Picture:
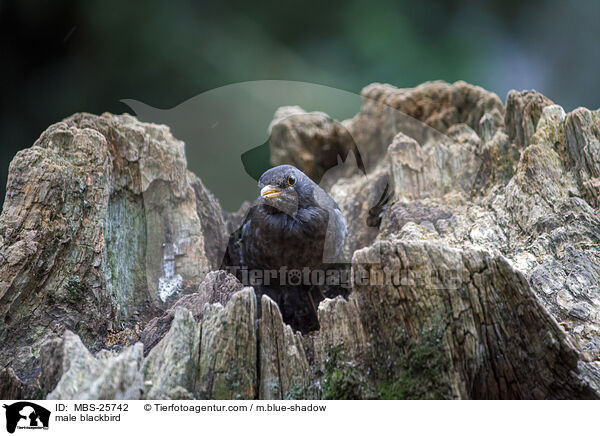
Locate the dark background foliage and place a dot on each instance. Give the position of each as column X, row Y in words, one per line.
column 63, row 56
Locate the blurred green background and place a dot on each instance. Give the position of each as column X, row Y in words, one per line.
column 62, row 56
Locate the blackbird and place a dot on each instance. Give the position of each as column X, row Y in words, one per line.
column 288, row 243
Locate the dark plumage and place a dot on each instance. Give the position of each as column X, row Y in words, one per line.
column 295, row 225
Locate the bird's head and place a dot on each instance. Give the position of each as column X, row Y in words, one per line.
column 285, row 189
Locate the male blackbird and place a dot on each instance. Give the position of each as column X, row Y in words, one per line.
column 293, row 232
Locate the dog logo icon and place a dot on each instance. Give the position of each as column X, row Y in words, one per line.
column 26, row 415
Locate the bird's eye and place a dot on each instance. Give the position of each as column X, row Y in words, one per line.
column 291, row 180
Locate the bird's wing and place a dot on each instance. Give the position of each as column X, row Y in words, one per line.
column 335, row 237
column 336, row 226
column 234, row 255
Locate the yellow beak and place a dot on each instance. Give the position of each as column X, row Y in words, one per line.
column 270, row 191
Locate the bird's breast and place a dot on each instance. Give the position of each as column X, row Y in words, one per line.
column 277, row 240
